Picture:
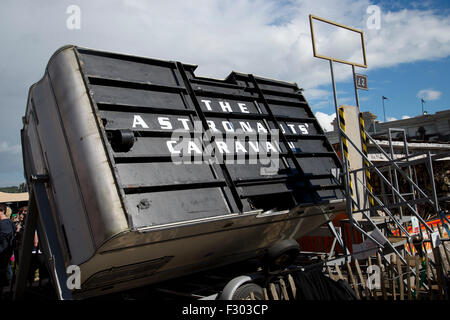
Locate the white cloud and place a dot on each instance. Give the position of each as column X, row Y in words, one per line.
column 429, row 94
column 313, row 93
column 408, row 36
column 268, row 38
column 325, row 120
column 391, row 119
column 405, row 117
column 6, row 148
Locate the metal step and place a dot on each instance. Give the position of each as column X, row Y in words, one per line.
column 383, row 220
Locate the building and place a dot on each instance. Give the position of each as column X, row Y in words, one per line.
column 428, row 133
column 427, row 127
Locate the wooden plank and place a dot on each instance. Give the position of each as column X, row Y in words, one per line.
column 293, row 287
column 439, row 271
column 331, row 274
column 382, row 277
column 362, row 280
column 446, row 266
column 352, row 278
column 430, row 288
column 393, row 277
column 338, row 270
column 266, row 296
column 284, row 290
column 417, row 286
column 273, row 291
column 408, row 278
column 400, row 278
column 411, row 264
column 252, row 296
column 372, row 291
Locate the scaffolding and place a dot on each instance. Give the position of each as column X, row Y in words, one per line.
column 381, row 219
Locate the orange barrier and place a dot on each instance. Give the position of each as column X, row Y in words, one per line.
column 434, row 225
column 323, row 243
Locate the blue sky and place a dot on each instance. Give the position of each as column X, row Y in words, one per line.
column 408, row 54
column 401, row 85
column 403, row 77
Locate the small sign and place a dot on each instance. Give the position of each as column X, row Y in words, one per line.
column 414, row 225
column 361, row 81
column 435, row 240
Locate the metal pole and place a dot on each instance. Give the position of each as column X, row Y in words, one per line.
column 394, row 198
column 433, row 186
column 387, row 182
column 343, row 158
column 356, row 89
column 400, row 171
column 384, row 112
column 364, row 196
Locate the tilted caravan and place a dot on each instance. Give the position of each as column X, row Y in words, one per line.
column 139, row 191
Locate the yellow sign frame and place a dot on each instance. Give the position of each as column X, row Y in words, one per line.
column 312, row 17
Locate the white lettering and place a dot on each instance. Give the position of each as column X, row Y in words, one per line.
column 185, row 122
column 260, row 127
column 374, row 20
column 303, row 129
column 193, row 147
column 291, row 145
column 74, row 20
column 225, row 106
column 207, row 104
column 137, row 120
column 222, row 147
column 255, row 146
column 164, row 122
column 246, row 126
column 212, row 125
column 170, row 144
column 194, row 310
column 373, row 280
column 240, row 147
column 292, row 128
column 228, row 126
column 270, row 146
column 74, row 280
column 243, row 108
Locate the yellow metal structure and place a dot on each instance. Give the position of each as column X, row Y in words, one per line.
column 312, row 17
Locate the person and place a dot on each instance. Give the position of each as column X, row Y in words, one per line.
column 19, row 227
column 7, row 231
column 8, row 212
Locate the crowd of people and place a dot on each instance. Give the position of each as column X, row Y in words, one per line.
column 12, row 227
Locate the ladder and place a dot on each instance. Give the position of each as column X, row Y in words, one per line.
column 389, row 219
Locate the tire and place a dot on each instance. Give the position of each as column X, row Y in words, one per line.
column 243, row 292
column 282, row 254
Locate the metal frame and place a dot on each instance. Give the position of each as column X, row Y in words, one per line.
column 40, row 218
column 312, row 17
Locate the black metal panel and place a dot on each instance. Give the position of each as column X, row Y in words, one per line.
column 163, row 207
column 148, row 99
column 163, row 173
column 127, row 69
column 138, row 97
column 293, row 111
column 146, row 121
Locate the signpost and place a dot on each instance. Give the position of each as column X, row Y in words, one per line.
column 361, row 81
column 316, row 54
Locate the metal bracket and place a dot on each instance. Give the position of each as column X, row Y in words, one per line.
column 40, row 218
